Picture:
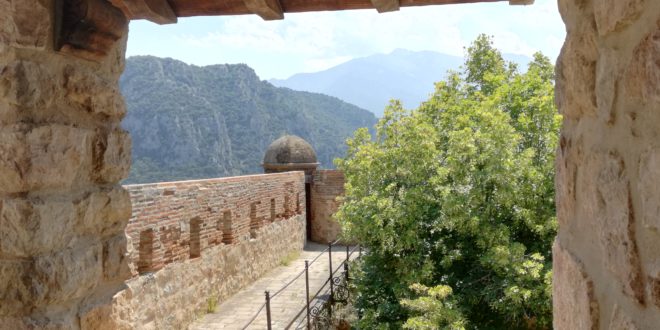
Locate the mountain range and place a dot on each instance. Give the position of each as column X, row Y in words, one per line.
column 371, row 82
column 191, row 122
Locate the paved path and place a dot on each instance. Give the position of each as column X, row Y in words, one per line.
column 238, row 310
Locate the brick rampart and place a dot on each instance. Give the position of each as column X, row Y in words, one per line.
column 176, row 221
column 194, row 242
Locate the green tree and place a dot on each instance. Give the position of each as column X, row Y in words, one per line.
column 432, row 309
column 459, row 194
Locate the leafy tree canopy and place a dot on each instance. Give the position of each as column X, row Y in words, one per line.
column 458, row 196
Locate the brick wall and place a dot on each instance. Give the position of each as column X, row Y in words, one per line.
column 176, row 221
column 193, row 241
column 327, row 186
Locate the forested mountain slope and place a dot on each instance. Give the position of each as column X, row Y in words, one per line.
column 190, row 122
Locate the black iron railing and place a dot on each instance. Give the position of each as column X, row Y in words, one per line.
column 318, row 309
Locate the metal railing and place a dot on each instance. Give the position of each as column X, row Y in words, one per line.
column 317, row 312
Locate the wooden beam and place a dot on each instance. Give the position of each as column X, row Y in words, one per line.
column 384, row 6
column 521, row 2
column 157, row 11
column 187, row 8
column 88, row 28
column 267, row 9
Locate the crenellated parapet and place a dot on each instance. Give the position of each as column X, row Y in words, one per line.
column 178, row 221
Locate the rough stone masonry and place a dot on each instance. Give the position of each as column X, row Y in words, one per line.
column 62, row 154
column 607, row 254
column 64, row 262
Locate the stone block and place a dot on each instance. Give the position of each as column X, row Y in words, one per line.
column 642, row 79
column 115, row 259
column 112, row 156
column 620, row 321
column 63, row 319
column 93, row 93
column 102, row 316
column 608, row 72
column 654, row 290
column 18, row 26
column 615, row 15
column 617, row 227
column 573, row 299
column 66, row 275
column 60, row 156
column 13, row 322
column 575, row 92
column 51, row 89
column 15, row 287
column 14, row 161
column 574, row 12
column 44, row 157
column 29, row 227
column 564, row 183
column 104, row 212
column 10, row 113
column 35, row 226
column 649, row 176
column 28, row 84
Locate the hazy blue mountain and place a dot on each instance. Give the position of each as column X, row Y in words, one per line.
column 370, row 82
column 190, row 122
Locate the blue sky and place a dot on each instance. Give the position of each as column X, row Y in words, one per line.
column 309, row 42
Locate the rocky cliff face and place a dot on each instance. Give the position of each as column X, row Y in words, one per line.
column 190, row 122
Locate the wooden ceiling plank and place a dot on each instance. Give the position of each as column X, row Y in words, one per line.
column 276, row 9
column 521, row 2
column 384, row 6
column 267, row 9
column 157, row 11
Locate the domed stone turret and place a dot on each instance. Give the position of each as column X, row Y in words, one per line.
column 290, row 153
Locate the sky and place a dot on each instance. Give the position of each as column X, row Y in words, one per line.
column 310, row 42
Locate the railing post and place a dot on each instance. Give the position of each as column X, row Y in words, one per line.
column 348, row 257
column 268, row 310
column 332, row 285
column 307, row 293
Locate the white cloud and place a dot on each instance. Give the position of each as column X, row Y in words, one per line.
column 314, row 41
column 303, row 35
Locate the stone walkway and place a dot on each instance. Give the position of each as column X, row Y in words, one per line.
column 238, row 310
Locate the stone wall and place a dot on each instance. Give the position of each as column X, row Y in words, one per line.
column 192, row 241
column 607, row 253
column 62, row 154
column 327, row 186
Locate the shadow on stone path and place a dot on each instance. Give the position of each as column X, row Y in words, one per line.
column 238, row 310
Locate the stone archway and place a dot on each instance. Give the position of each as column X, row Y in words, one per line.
column 62, row 154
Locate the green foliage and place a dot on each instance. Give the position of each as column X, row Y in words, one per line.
column 211, row 304
column 432, row 309
column 459, row 194
column 190, row 122
column 289, row 258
